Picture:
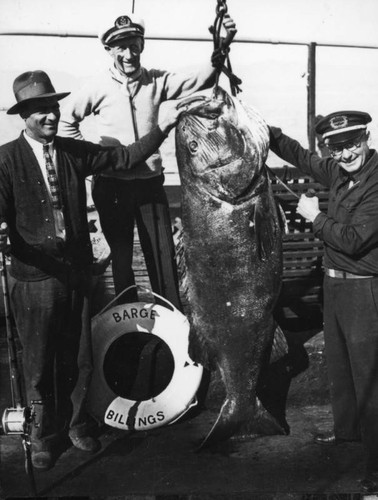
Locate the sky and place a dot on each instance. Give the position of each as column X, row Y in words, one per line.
column 274, row 75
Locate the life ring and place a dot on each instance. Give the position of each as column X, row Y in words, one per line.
column 113, row 339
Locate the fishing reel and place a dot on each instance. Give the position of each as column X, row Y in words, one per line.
column 17, row 420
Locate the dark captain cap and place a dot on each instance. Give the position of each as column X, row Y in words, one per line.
column 342, row 126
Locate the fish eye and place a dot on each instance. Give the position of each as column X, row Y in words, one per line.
column 193, row 146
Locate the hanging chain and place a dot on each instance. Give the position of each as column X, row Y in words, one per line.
column 222, row 45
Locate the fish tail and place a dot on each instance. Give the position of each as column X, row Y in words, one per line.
column 241, row 423
column 229, row 421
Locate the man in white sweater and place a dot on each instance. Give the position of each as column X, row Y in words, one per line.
column 125, row 101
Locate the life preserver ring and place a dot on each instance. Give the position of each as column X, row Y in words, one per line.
column 119, row 324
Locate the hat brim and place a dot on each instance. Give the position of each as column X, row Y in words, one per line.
column 121, row 34
column 15, row 110
column 344, row 137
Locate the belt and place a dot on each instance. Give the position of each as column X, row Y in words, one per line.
column 334, row 273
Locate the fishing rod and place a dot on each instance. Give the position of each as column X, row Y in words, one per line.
column 17, row 419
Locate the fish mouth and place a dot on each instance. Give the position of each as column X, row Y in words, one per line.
column 202, row 106
column 232, row 165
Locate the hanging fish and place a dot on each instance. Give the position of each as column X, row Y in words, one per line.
column 232, row 246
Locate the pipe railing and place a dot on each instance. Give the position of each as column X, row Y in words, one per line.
column 186, row 38
column 311, row 61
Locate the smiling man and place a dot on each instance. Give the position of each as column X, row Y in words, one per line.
column 124, row 101
column 43, row 210
column 349, row 231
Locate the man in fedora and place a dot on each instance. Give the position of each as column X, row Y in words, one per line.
column 43, row 212
column 349, row 231
column 125, row 101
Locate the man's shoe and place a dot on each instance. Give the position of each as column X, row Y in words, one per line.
column 370, row 483
column 86, row 443
column 42, row 460
column 327, row 438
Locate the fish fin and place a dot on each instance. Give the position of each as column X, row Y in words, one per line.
column 198, row 349
column 263, row 225
column 262, row 423
column 282, row 218
column 226, row 425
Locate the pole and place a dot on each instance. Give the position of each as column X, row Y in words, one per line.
column 12, row 351
column 311, row 84
column 15, row 377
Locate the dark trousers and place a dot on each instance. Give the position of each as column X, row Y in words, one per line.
column 120, row 205
column 351, row 340
column 53, row 323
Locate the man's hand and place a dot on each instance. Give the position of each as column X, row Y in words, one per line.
column 308, row 207
column 229, row 24
column 228, row 32
column 171, row 117
column 3, row 236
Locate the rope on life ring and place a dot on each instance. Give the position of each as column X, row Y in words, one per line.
column 168, row 327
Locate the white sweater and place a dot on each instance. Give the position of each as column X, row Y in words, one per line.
column 107, row 97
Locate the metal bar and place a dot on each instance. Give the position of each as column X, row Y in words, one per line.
column 15, row 376
column 280, row 181
column 83, row 34
column 311, row 95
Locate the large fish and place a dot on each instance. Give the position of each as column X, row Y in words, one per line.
column 232, row 241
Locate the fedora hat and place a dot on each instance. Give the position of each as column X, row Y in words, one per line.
column 30, row 86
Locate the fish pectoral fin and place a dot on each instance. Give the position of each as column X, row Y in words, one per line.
column 282, row 218
column 263, row 226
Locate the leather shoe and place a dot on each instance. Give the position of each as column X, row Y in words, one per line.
column 327, row 438
column 86, row 443
column 42, row 460
column 370, row 483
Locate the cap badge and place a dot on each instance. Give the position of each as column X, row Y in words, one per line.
column 340, row 121
column 122, row 21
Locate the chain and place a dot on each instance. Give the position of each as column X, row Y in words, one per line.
column 222, row 6
column 222, row 44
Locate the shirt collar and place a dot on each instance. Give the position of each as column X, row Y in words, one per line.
column 123, row 78
column 36, row 145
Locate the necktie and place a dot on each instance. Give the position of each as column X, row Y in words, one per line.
column 52, row 178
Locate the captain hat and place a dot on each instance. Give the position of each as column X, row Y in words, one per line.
column 119, row 27
column 342, row 126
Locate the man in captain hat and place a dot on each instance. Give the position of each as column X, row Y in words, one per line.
column 349, row 231
column 43, row 211
column 125, row 101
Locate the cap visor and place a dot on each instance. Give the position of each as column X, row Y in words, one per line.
column 343, row 138
column 121, row 36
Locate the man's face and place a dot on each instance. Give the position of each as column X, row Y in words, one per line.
column 126, row 54
column 41, row 119
column 353, row 155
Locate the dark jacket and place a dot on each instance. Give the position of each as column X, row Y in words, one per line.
column 350, row 227
column 25, row 205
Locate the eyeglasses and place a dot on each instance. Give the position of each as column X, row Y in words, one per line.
column 337, row 151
